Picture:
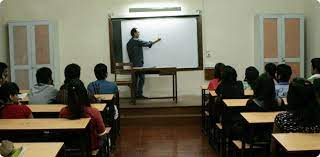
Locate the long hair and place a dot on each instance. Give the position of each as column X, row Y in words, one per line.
column 252, row 74
column 77, row 98
column 302, row 101
column 265, row 90
column 271, row 70
column 218, row 69
column 6, row 90
column 229, row 75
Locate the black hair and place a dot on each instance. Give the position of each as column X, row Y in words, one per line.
column 3, row 67
column 271, row 70
column 101, row 71
column 315, row 62
column 72, row 71
column 265, row 90
column 77, row 98
column 316, row 85
column 251, row 76
column 218, row 69
column 302, row 101
column 133, row 31
column 44, row 75
column 284, row 73
column 6, row 90
column 229, row 75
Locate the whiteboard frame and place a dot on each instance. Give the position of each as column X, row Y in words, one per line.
column 199, row 34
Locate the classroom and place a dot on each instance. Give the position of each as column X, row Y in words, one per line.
column 159, row 78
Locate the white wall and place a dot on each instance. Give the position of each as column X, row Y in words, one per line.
column 228, row 27
column 3, row 41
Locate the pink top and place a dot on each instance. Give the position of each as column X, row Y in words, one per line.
column 213, row 84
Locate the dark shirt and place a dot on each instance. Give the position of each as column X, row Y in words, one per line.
column 230, row 90
column 135, row 51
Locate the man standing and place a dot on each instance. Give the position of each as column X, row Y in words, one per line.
column 135, row 53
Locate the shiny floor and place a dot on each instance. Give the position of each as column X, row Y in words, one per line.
column 163, row 141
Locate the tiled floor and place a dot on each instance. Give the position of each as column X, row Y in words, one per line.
column 163, row 141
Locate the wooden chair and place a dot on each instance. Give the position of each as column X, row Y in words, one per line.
column 125, row 69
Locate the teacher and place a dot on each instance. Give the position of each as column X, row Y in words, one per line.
column 135, row 53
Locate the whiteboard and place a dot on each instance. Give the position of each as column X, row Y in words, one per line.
column 178, row 47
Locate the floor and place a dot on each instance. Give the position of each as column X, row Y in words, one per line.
column 163, row 141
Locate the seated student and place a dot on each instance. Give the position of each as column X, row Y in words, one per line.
column 9, row 103
column 229, row 87
column 283, row 76
column 316, row 84
column 3, row 73
column 43, row 92
column 264, row 96
column 78, row 106
column 303, row 113
column 218, row 69
column 72, row 71
column 250, row 79
column 271, row 69
column 315, row 62
column 102, row 86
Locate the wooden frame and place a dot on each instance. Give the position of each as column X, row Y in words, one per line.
column 199, row 34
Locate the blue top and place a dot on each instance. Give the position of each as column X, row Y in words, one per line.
column 102, row 87
column 282, row 89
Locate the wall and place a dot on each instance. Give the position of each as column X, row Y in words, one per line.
column 83, row 32
column 313, row 31
column 3, row 41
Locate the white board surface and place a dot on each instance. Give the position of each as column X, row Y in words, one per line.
column 178, row 47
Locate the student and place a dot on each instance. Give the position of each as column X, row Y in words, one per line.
column 71, row 72
column 251, row 77
column 316, row 84
column 271, row 70
column 315, row 62
column 9, row 102
column 303, row 113
column 264, row 96
column 43, row 92
column 3, row 73
column 102, row 86
column 283, row 76
column 218, row 69
column 78, row 106
column 229, row 87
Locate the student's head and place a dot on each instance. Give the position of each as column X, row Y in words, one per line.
column 229, row 75
column 77, row 98
column 3, row 73
column 72, row 71
column 265, row 89
column 9, row 93
column 101, row 71
column 302, row 100
column 315, row 62
column 252, row 75
column 284, row 73
column 218, row 69
column 135, row 33
column 271, row 69
column 44, row 76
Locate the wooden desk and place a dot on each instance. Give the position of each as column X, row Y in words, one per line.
column 25, row 91
column 160, row 71
column 56, row 108
column 235, row 102
column 301, row 143
column 259, row 117
column 204, row 88
column 246, row 93
column 47, row 130
column 104, row 97
column 40, row 149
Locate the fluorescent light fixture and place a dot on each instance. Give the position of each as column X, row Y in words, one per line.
column 1, row 1
column 154, row 9
column 318, row 1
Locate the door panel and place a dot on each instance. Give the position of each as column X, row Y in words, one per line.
column 270, row 29
column 22, row 78
column 42, row 45
column 296, row 71
column 292, row 38
column 20, row 42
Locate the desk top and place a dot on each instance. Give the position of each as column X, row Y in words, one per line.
column 40, row 149
column 259, row 117
column 246, row 93
column 25, row 91
column 105, row 97
column 298, row 142
column 43, row 124
column 235, row 102
column 205, row 87
column 57, row 107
